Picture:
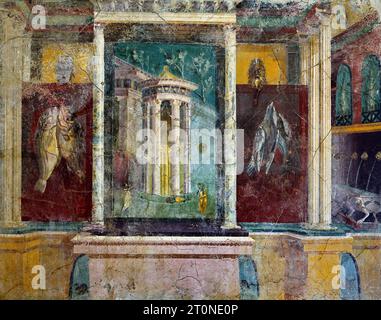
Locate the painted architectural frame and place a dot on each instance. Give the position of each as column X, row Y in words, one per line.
column 190, row 149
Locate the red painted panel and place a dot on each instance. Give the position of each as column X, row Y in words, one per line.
column 281, row 195
column 67, row 197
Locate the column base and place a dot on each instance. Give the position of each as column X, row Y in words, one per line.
column 94, row 227
column 230, row 226
column 318, row 227
column 11, row 224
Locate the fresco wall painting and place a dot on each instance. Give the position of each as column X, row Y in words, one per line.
column 190, row 149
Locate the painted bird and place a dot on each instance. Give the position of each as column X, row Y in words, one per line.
column 273, row 134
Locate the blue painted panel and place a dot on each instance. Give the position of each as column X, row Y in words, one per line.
column 350, row 289
column 248, row 278
column 79, row 280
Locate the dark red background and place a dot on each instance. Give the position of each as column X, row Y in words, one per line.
column 65, row 198
column 279, row 196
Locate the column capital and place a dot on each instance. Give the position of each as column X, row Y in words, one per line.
column 176, row 103
column 317, row 17
column 229, row 33
column 324, row 17
column 303, row 37
column 99, row 27
column 151, row 102
column 229, row 28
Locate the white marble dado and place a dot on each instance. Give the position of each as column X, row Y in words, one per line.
column 163, row 267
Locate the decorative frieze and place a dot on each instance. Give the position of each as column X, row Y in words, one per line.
column 207, row 6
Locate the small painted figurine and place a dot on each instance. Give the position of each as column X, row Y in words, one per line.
column 127, row 198
column 202, row 198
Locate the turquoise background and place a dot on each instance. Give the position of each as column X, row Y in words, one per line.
column 152, row 59
column 155, row 59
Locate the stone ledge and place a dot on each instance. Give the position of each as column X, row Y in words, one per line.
column 165, row 17
column 161, row 246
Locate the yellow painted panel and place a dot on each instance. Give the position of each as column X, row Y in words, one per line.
column 80, row 53
column 320, row 277
column 274, row 57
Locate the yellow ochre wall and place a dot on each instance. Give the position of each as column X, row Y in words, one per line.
column 274, row 57
column 20, row 253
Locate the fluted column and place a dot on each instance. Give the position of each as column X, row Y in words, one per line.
column 325, row 123
column 313, row 132
column 175, row 148
column 319, row 123
column 230, row 154
column 156, row 144
column 27, row 52
column 98, row 126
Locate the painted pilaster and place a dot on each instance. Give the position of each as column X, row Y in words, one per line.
column 230, row 154
column 12, row 32
column 304, row 61
column 98, row 126
column 175, row 148
column 325, row 123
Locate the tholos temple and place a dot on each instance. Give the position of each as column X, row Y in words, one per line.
column 190, row 149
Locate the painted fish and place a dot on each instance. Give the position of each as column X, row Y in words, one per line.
column 58, row 136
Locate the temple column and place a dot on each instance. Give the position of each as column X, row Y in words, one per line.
column 148, row 127
column 325, row 123
column 230, row 154
column 156, row 144
column 187, row 149
column 313, row 132
column 11, row 58
column 175, row 148
column 98, row 126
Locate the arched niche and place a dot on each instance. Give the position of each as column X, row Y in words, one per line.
column 343, row 101
column 371, row 89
